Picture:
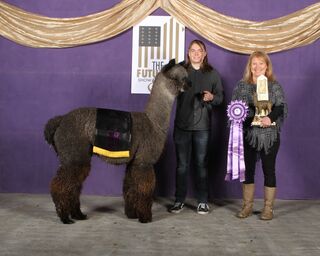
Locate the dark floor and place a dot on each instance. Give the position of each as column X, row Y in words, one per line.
column 29, row 226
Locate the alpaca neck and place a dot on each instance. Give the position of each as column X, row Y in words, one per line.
column 159, row 106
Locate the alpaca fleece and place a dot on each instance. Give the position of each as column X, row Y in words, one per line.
column 72, row 137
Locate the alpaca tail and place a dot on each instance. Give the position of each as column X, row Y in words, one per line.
column 51, row 128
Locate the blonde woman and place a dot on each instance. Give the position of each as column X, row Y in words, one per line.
column 260, row 141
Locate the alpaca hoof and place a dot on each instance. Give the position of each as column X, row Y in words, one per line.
column 145, row 220
column 67, row 221
column 130, row 213
column 79, row 216
column 132, row 216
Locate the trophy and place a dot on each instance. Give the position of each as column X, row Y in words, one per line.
column 261, row 101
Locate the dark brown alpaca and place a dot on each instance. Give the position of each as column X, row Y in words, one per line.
column 72, row 136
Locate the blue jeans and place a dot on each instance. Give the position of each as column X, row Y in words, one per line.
column 191, row 144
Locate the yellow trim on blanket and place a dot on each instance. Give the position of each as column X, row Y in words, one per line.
column 108, row 153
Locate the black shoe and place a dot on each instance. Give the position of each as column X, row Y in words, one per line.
column 203, row 208
column 177, row 207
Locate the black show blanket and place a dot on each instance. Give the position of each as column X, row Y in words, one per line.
column 113, row 133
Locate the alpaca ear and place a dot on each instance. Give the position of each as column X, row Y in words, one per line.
column 168, row 66
column 182, row 63
column 172, row 62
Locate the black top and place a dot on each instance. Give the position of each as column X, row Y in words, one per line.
column 191, row 112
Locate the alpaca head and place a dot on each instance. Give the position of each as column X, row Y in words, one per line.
column 177, row 76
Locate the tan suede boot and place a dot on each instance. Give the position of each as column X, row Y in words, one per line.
column 269, row 196
column 248, row 194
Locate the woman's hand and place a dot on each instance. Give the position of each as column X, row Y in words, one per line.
column 265, row 121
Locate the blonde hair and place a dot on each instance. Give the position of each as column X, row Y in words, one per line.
column 247, row 75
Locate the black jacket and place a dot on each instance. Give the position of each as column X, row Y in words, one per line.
column 191, row 112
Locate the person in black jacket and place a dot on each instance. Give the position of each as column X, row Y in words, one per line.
column 192, row 125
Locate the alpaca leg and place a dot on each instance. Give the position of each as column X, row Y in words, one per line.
column 65, row 192
column 60, row 193
column 138, row 191
column 75, row 206
column 76, row 213
column 129, row 196
column 129, row 209
column 145, row 182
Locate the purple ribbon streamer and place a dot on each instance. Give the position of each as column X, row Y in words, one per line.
column 237, row 112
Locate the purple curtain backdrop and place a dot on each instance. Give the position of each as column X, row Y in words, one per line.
column 37, row 84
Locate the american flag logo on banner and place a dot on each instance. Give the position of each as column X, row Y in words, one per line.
column 156, row 40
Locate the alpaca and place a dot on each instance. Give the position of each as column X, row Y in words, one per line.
column 72, row 136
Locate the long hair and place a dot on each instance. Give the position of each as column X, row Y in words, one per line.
column 205, row 66
column 247, row 75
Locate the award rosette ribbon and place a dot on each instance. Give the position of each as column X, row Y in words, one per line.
column 237, row 112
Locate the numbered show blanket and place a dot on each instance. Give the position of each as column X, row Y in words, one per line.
column 113, row 133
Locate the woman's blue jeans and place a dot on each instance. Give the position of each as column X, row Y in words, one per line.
column 191, row 144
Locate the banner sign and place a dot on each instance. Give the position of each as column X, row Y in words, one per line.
column 155, row 41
